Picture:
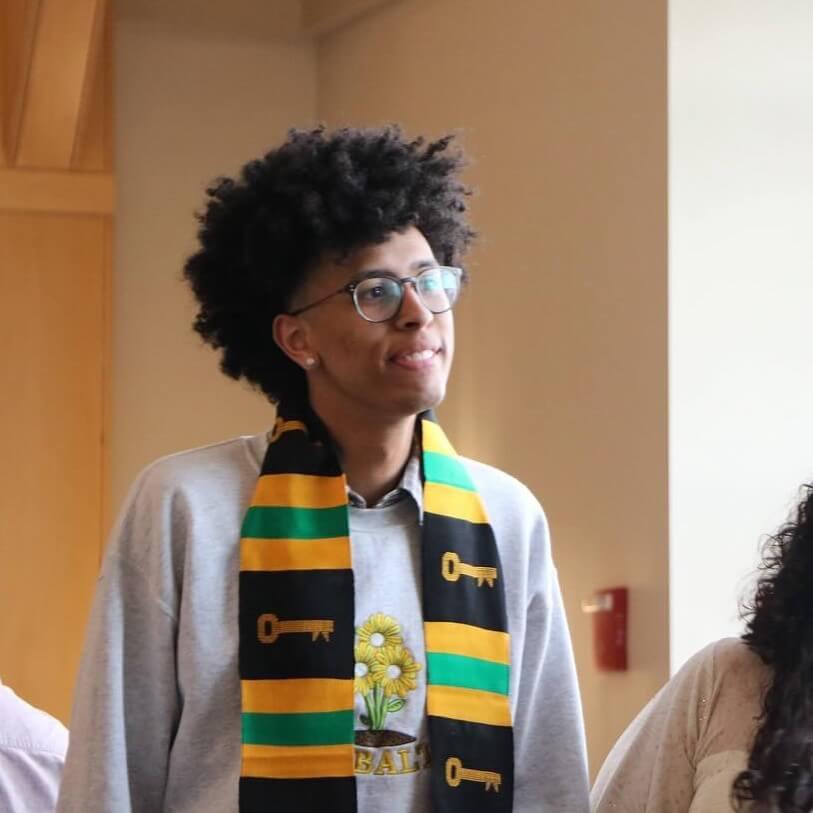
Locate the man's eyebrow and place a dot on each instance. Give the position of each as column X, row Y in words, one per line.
column 388, row 272
column 424, row 264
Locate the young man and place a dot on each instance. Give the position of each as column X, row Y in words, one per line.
column 341, row 614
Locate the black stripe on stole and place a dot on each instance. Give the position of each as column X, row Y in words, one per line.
column 332, row 795
column 302, row 596
column 462, row 601
column 479, row 748
column 288, row 457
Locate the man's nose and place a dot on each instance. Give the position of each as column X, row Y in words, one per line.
column 413, row 312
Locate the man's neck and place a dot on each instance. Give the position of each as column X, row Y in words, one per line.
column 373, row 453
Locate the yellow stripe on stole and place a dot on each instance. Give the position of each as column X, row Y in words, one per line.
column 296, row 762
column 299, row 491
column 295, row 554
column 297, row 695
column 464, row 639
column 470, row 705
column 434, row 440
column 449, row 501
column 281, row 427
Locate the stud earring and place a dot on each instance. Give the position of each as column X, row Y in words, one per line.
column 310, row 362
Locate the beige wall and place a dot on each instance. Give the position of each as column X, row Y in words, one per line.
column 561, row 375
column 194, row 99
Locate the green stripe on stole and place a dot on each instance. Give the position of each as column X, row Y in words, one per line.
column 440, row 468
column 315, row 728
column 276, row 522
column 467, row 673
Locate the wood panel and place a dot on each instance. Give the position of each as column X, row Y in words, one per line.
column 19, row 23
column 59, row 81
column 4, row 68
column 93, row 150
column 69, row 192
column 53, row 284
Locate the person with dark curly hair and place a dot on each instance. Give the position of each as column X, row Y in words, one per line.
column 342, row 613
column 733, row 729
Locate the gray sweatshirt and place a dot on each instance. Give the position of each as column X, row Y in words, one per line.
column 156, row 719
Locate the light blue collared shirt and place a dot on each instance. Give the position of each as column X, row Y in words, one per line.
column 32, row 752
column 409, row 486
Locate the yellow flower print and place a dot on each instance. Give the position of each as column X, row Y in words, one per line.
column 365, row 658
column 379, row 631
column 394, row 670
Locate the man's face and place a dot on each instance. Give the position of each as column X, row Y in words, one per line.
column 392, row 369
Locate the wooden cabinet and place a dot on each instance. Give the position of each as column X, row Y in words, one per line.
column 53, row 281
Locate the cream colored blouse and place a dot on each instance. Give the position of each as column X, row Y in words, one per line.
column 684, row 750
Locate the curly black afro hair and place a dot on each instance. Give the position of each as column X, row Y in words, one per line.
column 319, row 194
column 779, row 776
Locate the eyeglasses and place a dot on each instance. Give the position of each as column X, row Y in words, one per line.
column 378, row 297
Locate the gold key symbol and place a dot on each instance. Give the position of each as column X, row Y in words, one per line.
column 269, row 628
column 456, row 773
column 452, row 569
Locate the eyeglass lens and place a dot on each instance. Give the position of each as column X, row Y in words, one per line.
column 379, row 298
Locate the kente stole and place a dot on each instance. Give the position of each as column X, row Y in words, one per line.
column 297, row 630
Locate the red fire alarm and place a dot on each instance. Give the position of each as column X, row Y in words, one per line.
column 609, row 610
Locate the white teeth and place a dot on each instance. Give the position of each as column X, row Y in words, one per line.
column 421, row 355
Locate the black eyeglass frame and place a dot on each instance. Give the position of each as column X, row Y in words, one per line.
column 351, row 288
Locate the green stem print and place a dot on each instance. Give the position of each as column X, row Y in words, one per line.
column 379, row 706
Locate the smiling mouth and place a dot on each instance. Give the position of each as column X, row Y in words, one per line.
column 415, row 360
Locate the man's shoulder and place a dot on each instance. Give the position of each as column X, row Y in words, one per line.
column 159, row 523
column 511, row 506
column 24, row 727
column 493, row 482
column 214, row 464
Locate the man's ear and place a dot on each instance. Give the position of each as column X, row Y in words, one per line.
column 293, row 337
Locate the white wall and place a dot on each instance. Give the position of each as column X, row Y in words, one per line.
column 741, row 295
column 197, row 95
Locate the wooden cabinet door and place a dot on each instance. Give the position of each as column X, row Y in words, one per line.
column 53, row 405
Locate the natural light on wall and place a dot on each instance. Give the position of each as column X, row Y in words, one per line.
column 741, row 296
